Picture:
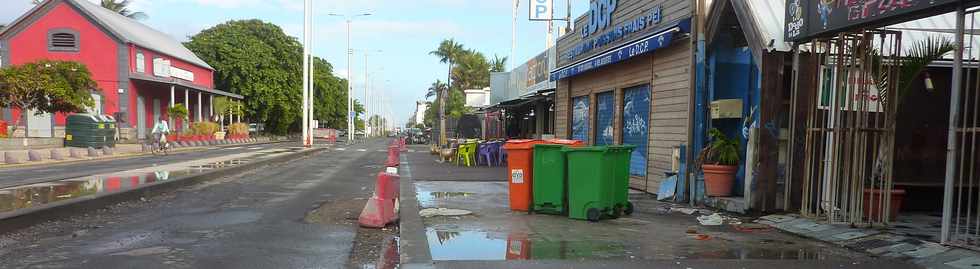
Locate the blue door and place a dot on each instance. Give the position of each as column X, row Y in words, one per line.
column 580, row 118
column 636, row 122
column 604, row 118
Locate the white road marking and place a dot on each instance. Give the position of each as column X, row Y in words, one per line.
column 255, row 148
column 361, row 150
column 234, row 148
column 341, row 149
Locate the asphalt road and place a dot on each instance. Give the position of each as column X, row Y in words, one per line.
column 300, row 214
column 42, row 173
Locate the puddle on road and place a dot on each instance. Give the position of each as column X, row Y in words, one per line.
column 23, row 197
column 452, row 245
column 428, row 198
column 477, row 245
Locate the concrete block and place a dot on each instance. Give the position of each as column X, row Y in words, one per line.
column 92, row 152
column 57, row 155
column 33, row 156
column 77, row 153
column 107, row 151
column 10, row 158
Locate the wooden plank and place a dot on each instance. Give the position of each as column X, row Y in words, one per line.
column 771, row 107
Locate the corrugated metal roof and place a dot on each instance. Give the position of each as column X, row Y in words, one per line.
column 941, row 25
column 139, row 34
column 770, row 20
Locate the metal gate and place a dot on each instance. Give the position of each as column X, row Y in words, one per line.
column 847, row 174
column 636, row 119
column 580, row 118
column 605, row 103
column 961, row 216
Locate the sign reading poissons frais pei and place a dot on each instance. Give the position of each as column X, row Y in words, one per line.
column 600, row 18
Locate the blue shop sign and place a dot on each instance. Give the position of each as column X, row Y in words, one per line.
column 644, row 45
column 600, row 19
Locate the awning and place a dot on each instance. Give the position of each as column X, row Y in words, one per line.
column 181, row 83
column 648, row 44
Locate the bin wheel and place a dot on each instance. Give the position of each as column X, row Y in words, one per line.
column 593, row 214
column 530, row 210
column 618, row 211
column 629, row 208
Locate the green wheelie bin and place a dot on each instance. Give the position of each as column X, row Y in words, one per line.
column 598, row 182
column 590, row 175
column 550, row 188
column 83, row 131
column 619, row 159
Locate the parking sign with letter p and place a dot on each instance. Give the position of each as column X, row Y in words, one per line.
column 540, row 10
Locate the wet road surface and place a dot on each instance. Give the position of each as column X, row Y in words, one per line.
column 35, row 174
column 300, row 214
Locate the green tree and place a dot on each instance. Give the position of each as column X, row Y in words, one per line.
column 329, row 96
column 260, row 62
column 47, row 87
column 118, row 6
column 472, row 71
column 498, row 64
column 447, row 52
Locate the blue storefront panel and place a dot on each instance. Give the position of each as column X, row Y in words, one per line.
column 580, row 118
column 636, row 122
column 605, row 103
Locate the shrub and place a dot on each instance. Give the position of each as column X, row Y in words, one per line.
column 238, row 129
column 204, row 128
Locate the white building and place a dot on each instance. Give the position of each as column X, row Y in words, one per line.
column 478, row 98
column 420, row 108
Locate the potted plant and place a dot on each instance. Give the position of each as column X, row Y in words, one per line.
column 719, row 162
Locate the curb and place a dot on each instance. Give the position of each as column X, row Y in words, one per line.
column 59, row 210
column 413, row 247
column 127, row 155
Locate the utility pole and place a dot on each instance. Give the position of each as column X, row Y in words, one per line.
column 350, row 80
column 306, row 69
column 513, row 36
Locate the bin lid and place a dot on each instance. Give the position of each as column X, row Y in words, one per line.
column 626, row 147
column 564, row 142
column 521, row 143
column 586, row 149
column 87, row 118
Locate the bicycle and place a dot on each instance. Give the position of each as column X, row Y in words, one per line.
column 161, row 146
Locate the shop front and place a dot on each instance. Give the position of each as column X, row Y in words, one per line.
column 523, row 99
column 625, row 77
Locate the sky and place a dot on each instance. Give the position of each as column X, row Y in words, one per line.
column 403, row 31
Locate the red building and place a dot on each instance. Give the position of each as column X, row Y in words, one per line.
column 140, row 71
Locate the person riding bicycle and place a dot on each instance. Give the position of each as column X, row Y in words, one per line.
column 160, row 131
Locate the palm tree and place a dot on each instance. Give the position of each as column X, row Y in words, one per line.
column 436, row 89
column 448, row 52
column 498, row 64
column 118, row 6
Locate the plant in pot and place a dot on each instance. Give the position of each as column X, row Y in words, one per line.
column 719, row 162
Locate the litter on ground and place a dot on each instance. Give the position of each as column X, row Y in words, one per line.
column 431, row 212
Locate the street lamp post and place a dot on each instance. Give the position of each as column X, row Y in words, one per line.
column 350, row 86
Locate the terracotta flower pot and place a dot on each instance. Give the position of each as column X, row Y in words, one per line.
column 718, row 179
column 872, row 203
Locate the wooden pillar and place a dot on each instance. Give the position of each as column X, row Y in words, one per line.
column 771, row 106
column 199, row 106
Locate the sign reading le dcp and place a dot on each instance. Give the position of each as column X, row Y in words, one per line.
column 600, row 16
column 540, row 10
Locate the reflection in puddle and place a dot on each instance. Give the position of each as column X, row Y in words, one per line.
column 476, row 245
column 428, row 198
column 456, row 245
column 34, row 195
column 759, row 254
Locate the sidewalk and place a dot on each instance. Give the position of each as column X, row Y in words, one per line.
column 21, row 158
column 493, row 236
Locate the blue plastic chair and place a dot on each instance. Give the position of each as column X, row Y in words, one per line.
column 486, row 154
